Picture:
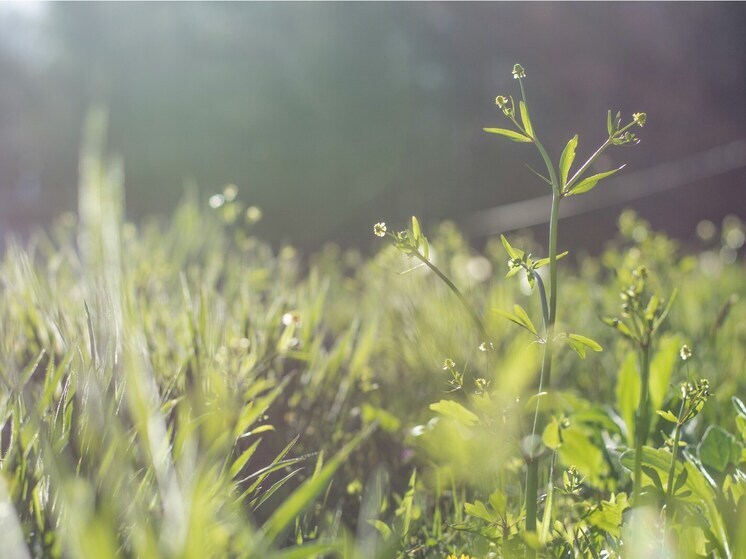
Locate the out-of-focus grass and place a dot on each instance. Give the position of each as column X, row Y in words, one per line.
column 181, row 390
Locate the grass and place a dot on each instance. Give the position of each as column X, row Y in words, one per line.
column 179, row 389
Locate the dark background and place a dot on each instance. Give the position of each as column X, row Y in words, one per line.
column 331, row 117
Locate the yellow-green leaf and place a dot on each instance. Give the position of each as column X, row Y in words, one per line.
column 456, row 411
column 668, row 416
column 591, row 344
column 515, row 136
column 568, row 156
column 523, row 317
column 525, row 119
column 587, row 184
column 415, row 229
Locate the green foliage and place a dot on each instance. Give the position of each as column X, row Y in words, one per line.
column 180, row 389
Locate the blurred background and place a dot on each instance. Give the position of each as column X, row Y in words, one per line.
column 331, row 117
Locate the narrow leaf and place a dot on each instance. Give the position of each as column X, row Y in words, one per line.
column 595, row 346
column 302, row 497
column 515, row 136
column 525, row 119
column 668, row 416
column 240, row 462
column 568, row 156
column 544, row 261
column 524, row 318
column 513, row 318
column 512, row 252
column 538, row 174
column 587, row 184
column 416, row 232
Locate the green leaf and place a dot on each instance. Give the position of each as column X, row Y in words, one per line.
column 609, row 126
column 544, row 261
column 552, row 435
column 577, row 347
column 456, row 411
column 628, row 394
column 512, row 252
column 661, row 368
column 739, row 405
column 538, row 174
column 416, row 232
column 566, row 159
column 579, row 450
column 667, row 415
column 499, row 502
column 591, row 344
column 654, row 476
column 609, row 517
column 718, row 449
column 240, row 462
column 525, row 119
column 587, row 184
column 522, row 315
column 515, row 319
column 620, row 327
column 479, row 510
column 515, row 136
column 301, row 498
column 382, row 528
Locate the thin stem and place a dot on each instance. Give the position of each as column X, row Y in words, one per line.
column 532, row 489
column 642, row 419
column 545, row 314
column 674, row 457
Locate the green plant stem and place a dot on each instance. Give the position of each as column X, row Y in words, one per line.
column 532, row 489
column 642, row 418
column 460, row 296
column 674, row 457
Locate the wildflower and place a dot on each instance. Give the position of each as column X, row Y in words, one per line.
column 448, row 364
column 481, row 385
column 640, row 119
column 379, row 229
column 501, row 102
column 292, row 317
column 484, row 347
column 685, row 352
column 518, row 72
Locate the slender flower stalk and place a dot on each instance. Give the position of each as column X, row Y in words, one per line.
column 642, row 418
column 561, row 187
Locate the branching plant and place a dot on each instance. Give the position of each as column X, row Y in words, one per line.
column 564, row 182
